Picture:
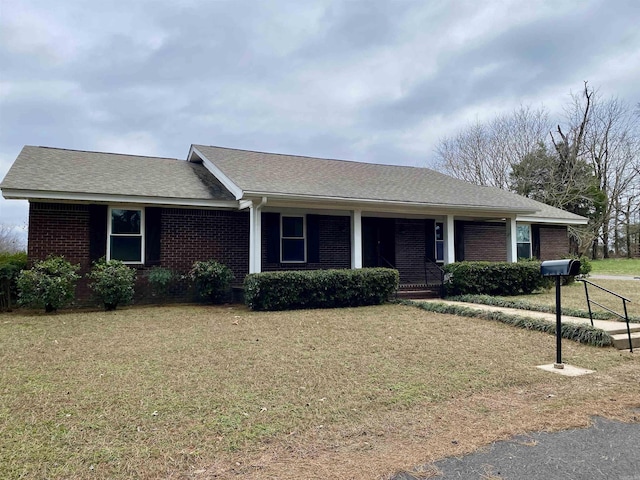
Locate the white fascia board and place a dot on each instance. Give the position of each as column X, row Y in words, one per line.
column 370, row 204
column 123, row 199
column 557, row 221
column 216, row 172
column 244, row 204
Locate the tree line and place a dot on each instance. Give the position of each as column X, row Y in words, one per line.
column 587, row 163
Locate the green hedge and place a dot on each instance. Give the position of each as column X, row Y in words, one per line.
column 10, row 266
column 319, row 288
column 494, row 278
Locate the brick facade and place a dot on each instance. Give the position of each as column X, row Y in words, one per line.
column 61, row 229
column 187, row 235
column 334, row 245
column 554, row 242
column 485, row 241
column 410, row 250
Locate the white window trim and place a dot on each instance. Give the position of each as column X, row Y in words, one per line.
column 435, row 236
column 530, row 242
column 141, row 234
column 304, row 237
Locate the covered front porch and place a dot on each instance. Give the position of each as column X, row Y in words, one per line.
column 416, row 244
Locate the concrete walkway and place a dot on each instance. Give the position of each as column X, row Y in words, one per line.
column 618, row 330
column 612, row 277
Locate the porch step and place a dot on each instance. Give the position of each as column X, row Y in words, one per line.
column 621, row 340
column 418, row 292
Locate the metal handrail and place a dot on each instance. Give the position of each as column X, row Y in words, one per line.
column 624, row 306
column 428, row 261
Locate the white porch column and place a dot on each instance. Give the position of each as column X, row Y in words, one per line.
column 255, row 237
column 356, row 239
column 449, row 246
column 512, row 240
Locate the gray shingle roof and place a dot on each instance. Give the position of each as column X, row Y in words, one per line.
column 268, row 173
column 55, row 170
column 46, row 169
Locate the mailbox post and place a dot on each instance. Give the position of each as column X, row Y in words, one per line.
column 559, row 269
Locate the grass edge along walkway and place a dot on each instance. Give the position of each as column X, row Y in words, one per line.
column 579, row 332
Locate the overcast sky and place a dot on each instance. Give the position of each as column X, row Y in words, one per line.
column 374, row 81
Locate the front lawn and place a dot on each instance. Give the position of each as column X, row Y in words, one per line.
column 574, row 296
column 617, row 266
column 223, row 392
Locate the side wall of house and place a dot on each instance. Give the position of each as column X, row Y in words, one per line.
column 186, row 235
column 554, row 242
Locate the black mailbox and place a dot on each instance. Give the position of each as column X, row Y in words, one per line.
column 553, row 268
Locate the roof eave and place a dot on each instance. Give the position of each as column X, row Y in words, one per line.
column 35, row 195
column 554, row 220
column 392, row 203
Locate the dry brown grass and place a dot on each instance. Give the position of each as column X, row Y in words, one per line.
column 573, row 295
column 202, row 392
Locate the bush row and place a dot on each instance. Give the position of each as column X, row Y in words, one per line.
column 51, row 283
column 319, row 288
column 582, row 333
column 494, row 278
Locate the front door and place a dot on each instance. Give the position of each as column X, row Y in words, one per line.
column 378, row 242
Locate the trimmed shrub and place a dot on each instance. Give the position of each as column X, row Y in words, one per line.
column 494, row 278
column 319, row 288
column 50, row 283
column 10, row 266
column 212, row 280
column 160, row 280
column 112, row 283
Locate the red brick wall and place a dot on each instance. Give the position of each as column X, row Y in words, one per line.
column 335, row 246
column 410, row 250
column 554, row 242
column 485, row 242
column 188, row 235
column 61, row 229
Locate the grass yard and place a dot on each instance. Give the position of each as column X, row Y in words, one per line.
column 573, row 295
column 225, row 393
column 617, row 266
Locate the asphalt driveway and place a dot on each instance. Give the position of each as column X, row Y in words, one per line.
column 606, row 450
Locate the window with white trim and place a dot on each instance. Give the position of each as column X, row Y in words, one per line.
column 439, row 242
column 523, row 239
column 293, row 248
column 125, row 240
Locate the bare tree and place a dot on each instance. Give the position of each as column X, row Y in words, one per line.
column 12, row 239
column 484, row 153
column 612, row 148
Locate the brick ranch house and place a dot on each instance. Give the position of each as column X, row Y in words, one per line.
column 261, row 212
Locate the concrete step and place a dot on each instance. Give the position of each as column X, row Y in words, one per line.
column 418, row 294
column 621, row 340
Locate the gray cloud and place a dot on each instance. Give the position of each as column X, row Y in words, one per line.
column 364, row 80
